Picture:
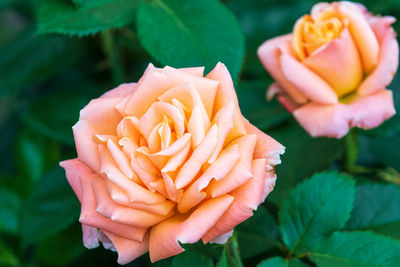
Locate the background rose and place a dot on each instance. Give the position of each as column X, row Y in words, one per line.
column 331, row 72
column 169, row 159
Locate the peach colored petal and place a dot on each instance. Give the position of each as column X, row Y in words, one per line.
column 155, row 82
column 224, row 120
column 335, row 120
column 388, row 57
column 362, row 34
column 144, row 168
column 123, row 214
column 120, row 159
column 73, row 170
column 188, row 97
column 241, row 172
column 128, row 249
column 199, row 156
column 173, row 193
column 86, row 148
column 270, row 53
column 338, row 63
column 165, row 237
column 196, row 126
column 122, row 90
column 246, row 199
column 128, row 127
column 218, row 170
column 101, row 115
column 91, row 217
column 222, row 238
column 226, row 93
column 266, row 147
column 305, row 80
column 156, row 114
column 119, row 197
column 177, row 160
column 134, row 191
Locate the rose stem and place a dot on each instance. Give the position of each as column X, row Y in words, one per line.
column 111, row 53
column 351, row 152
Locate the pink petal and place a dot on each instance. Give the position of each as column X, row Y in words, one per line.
column 388, row 57
column 338, row 63
column 165, row 237
column 90, row 236
column 266, row 147
column 128, row 249
column 270, row 53
column 362, row 34
column 305, row 80
column 74, row 169
column 122, row 90
column 335, row 120
column 246, row 199
column 225, row 94
column 86, row 148
column 91, row 217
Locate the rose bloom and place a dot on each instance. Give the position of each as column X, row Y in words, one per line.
column 168, row 160
column 331, row 72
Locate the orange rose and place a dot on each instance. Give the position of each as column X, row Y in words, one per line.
column 167, row 160
column 331, row 72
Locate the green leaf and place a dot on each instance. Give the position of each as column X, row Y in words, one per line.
column 258, row 234
column 314, row 209
column 281, row 262
column 29, row 60
column 61, row 248
column 377, row 207
column 303, row 157
column 192, row 259
column 357, row 249
column 50, row 207
column 59, row 16
column 191, row 33
column 256, row 109
column 10, row 205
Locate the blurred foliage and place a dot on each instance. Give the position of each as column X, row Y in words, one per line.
column 57, row 55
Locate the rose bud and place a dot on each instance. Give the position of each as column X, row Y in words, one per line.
column 331, row 72
column 168, row 160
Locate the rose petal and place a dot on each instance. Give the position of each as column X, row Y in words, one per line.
column 218, row 170
column 128, row 249
column 74, row 169
column 165, row 237
column 270, row 53
column 388, row 57
column 226, row 93
column 91, row 217
column 335, row 120
column 338, row 63
column 246, row 199
column 362, row 34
